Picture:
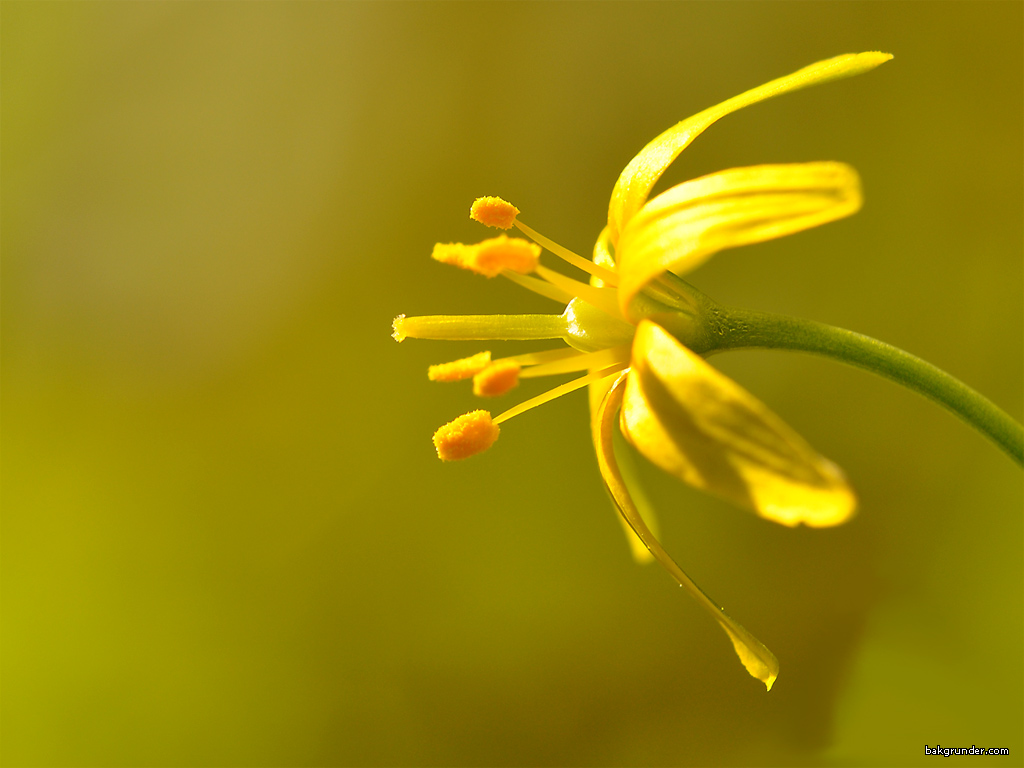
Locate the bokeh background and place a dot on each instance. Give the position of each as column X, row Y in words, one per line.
column 226, row 538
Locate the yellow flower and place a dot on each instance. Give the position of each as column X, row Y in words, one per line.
column 632, row 328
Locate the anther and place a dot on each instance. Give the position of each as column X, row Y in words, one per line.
column 468, row 435
column 492, row 256
column 450, row 253
column 458, row 370
column 496, row 379
column 493, row 212
column 502, row 252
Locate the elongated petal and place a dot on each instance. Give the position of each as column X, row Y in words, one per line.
column 631, row 479
column 640, row 175
column 597, row 391
column 700, row 426
column 758, row 660
column 682, row 227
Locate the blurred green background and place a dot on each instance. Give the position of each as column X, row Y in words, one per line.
column 226, row 537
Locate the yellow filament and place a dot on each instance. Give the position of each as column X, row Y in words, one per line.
column 602, row 298
column 587, row 361
column 458, row 370
column 558, row 391
column 608, row 276
column 550, row 355
column 539, row 286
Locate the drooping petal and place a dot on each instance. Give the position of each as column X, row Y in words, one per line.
column 758, row 660
column 640, row 175
column 631, row 479
column 682, row 227
column 702, row 427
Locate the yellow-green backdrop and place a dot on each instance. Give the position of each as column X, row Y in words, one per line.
column 226, row 538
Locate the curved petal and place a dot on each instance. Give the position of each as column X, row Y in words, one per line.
column 758, row 660
column 700, row 426
column 640, row 175
column 631, row 479
column 682, row 227
column 603, row 256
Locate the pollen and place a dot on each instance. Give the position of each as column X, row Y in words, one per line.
column 451, row 253
column 493, row 212
column 468, row 435
column 496, row 379
column 490, row 257
column 459, row 369
column 503, row 252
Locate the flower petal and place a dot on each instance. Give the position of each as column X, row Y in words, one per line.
column 700, row 426
column 758, row 660
column 631, row 479
column 640, row 175
column 682, row 227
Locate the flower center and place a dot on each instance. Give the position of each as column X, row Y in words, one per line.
column 599, row 338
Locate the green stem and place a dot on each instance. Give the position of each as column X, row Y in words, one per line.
column 727, row 329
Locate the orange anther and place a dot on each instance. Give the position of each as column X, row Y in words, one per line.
column 450, row 253
column 493, row 212
column 496, row 379
column 468, row 435
column 458, row 370
column 503, row 252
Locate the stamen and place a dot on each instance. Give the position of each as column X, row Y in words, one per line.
column 539, row 286
column 496, row 379
column 470, row 434
column 759, row 661
column 450, row 253
column 458, row 370
column 548, row 356
column 558, row 391
column 480, row 327
column 490, row 257
column 588, row 361
column 608, row 276
column 602, row 298
column 493, row 212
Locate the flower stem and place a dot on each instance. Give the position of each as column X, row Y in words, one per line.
column 727, row 328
